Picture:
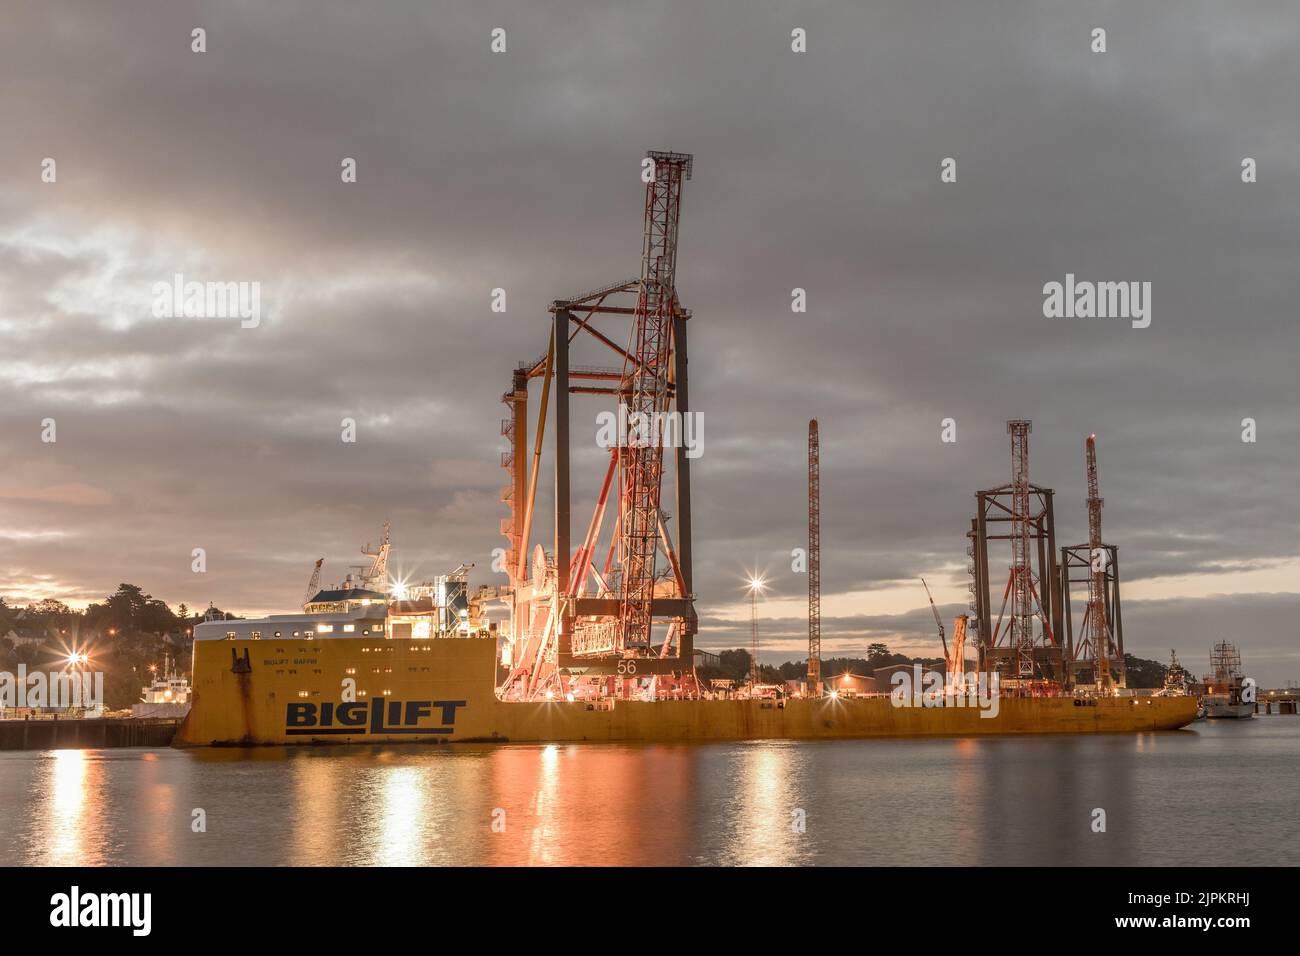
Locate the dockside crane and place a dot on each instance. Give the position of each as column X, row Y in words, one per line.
column 938, row 622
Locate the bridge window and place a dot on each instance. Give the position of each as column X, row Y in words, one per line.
column 230, row 635
column 257, row 635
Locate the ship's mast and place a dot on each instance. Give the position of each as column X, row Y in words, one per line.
column 375, row 577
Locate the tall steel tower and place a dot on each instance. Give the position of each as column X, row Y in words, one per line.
column 814, row 562
column 1097, row 629
column 644, row 389
column 1021, row 513
column 1022, row 613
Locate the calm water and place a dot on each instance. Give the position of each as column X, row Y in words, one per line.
column 1224, row 792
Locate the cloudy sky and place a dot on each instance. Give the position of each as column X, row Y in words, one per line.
column 520, row 170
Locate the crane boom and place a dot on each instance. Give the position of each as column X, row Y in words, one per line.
column 938, row 621
column 644, row 388
column 314, row 584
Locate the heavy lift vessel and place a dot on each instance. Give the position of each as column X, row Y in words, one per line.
column 598, row 644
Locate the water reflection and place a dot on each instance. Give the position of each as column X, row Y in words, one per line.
column 769, row 820
column 68, row 785
column 588, row 805
column 963, row 842
column 399, row 843
column 316, row 819
column 931, row 802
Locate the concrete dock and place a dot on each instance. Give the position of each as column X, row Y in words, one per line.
column 86, row 734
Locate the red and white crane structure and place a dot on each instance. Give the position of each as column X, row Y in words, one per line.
column 814, row 561
column 577, row 619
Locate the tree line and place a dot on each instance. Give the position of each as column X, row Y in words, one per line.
column 123, row 636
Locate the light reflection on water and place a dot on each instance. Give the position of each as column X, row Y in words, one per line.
column 69, row 788
column 1222, row 793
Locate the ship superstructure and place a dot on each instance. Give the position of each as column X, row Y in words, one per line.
column 168, row 694
column 1176, row 678
column 1225, row 686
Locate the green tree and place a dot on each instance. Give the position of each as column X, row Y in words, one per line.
column 1144, row 673
column 126, row 606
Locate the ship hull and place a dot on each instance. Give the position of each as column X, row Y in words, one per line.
column 443, row 691
column 1225, row 710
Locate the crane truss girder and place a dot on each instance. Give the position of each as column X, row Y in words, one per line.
column 645, row 388
column 1076, row 568
column 623, row 618
column 1022, row 513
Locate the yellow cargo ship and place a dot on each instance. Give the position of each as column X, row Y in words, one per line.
column 364, row 677
column 378, row 661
